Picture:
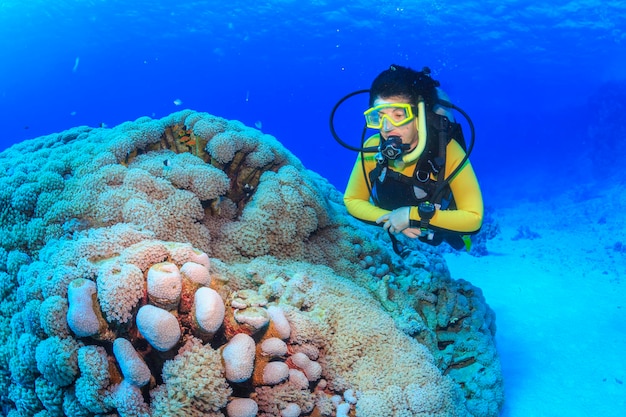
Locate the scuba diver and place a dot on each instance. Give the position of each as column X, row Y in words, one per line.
column 414, row 176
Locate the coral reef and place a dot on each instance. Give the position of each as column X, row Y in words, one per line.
column 191, row 266
column 525, row 232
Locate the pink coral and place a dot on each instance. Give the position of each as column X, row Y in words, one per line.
column 81, row 315
column 298, row 379
column 242, row 407
column 275, row 373
column 164, row 285
column 279, row 322
column 133, row 367
column 311, row 369
column 196, row 273
column 291, row 410
column 209, row 310
column 273, row 347
column 239, row 354
column 159, row 327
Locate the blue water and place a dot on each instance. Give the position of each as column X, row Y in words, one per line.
column 524, row 72
column 545, row 84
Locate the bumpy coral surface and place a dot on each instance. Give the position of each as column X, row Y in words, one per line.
column 191, row 266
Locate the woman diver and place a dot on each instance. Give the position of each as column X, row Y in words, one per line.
column 414, row 176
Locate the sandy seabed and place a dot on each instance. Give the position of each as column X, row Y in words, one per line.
column 560, row 303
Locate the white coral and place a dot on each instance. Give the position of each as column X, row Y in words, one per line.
column 120, row 287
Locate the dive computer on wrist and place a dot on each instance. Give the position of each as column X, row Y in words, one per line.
column 426, row 211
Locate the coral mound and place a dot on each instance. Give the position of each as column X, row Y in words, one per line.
column 191, row 266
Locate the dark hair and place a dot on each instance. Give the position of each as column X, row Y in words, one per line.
column 404, row 81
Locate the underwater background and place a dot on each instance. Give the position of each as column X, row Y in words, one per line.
column 539, row 79
column 543, row 82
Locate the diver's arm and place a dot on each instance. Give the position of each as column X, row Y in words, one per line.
column 357, row 195
column 468, row 215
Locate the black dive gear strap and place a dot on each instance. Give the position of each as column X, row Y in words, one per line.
column 426, row 188
column 426, row 210
column 391, row 189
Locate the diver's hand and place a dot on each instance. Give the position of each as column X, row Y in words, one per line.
column 395, row 221
column 412, row 232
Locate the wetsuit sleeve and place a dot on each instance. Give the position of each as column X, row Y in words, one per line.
column 468, row 215
column 357, row 195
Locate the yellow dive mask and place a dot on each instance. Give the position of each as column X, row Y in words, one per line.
column 400, row 114
column 397, row 114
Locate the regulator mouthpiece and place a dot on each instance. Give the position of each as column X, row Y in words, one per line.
column 391, row 148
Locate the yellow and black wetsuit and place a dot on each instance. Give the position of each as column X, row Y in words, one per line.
column 465, row 218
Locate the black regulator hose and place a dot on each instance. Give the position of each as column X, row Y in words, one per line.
column 470, row 147
column 334, row 132
column 472, row 141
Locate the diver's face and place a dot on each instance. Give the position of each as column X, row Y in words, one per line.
column 407, row 132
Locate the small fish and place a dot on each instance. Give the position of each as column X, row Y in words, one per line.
column 73, row 113
column 187, row 140
column 167, row 163
column 258, row 124
column 178, row 102
column 102, row 124
column 76, row 64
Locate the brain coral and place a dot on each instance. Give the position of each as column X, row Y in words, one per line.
column 339, row 324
